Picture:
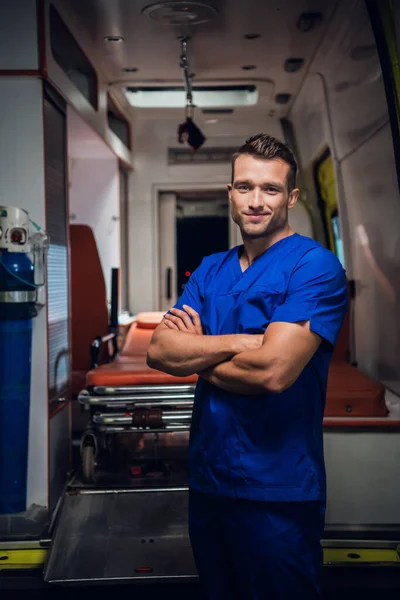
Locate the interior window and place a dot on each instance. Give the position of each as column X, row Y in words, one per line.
column 337, row 236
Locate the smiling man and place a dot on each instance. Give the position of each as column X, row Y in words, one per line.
column 258, row 324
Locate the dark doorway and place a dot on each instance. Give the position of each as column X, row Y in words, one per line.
column 197, row 237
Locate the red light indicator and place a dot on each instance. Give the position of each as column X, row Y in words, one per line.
column 144, row 569
column 188, row 273
column 17, row 236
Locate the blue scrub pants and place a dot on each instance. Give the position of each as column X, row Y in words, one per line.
column 249, row 550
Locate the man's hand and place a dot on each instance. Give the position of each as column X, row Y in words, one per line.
column 187, row 320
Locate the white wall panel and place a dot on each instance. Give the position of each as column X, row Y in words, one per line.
column 94, row 201
column 360, row 484
column 369, row 177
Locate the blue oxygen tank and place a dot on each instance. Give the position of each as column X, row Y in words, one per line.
column 17, row 308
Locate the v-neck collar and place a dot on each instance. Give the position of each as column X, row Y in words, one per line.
column 239, row 249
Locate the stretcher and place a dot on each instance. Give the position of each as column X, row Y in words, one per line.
column 126, row 396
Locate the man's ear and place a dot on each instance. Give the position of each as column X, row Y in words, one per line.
column 229, row 186
column 293, row 197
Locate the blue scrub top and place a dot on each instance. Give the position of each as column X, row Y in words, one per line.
column 267, row 447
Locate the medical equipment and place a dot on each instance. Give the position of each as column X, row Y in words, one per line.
column 23, row 246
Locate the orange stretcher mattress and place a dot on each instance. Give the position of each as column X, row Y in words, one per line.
column 352, row 393
column 119, row 374
column 137, row 341
column 130, row 368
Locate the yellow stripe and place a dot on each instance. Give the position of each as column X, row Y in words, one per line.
column 347, row 556
column 327, row 186
column 34, row 559
column 22, row 559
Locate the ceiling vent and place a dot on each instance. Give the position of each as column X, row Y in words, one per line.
column 217, row 111
column 183, row 156
column 180, row 13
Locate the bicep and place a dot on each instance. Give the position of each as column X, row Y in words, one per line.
column 289, row 347
column 158, row 332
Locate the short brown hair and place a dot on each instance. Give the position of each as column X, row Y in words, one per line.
column 266, row 147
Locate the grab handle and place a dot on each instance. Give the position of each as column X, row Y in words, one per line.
column 169, row 282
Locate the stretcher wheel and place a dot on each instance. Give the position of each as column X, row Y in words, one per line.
column 88, row 463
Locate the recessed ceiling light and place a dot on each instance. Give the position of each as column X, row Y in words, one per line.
column 211, row 121
column 249, row 67
column 252, row 36
column 292, row 65
column 130, row 69
column 114, row 38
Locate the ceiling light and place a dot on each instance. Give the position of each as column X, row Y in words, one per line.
column 189, row 133
column 114, row 38
column 249, row 67
column 307, row 21
column 206, row 96
column 252, row 36
column 211, row 121
column 179, row 13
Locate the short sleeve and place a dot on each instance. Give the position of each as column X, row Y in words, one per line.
column 317, row 292
column 192, row 294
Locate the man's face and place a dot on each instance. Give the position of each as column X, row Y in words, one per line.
column 259, row 196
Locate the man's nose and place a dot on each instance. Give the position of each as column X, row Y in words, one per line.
column 256, row 199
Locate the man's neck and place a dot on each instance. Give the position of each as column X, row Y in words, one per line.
column 254, row 247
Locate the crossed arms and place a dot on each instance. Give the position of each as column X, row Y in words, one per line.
column 238, row 363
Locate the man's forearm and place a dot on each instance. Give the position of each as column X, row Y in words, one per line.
column 182, row 354
column 245, row 373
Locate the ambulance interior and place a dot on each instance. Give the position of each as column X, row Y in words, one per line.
column 130, row 210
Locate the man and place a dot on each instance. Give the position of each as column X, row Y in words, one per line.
column 258, row 324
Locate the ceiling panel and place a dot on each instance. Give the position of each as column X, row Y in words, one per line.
column 218, row 49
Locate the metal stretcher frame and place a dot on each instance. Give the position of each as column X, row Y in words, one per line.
column 161, row 407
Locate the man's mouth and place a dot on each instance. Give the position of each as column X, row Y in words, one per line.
column 256, row 217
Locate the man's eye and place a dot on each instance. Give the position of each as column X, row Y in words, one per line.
column 243, row 188
column 272, row 190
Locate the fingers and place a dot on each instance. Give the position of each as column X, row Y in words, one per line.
column 181, row 320
column 184, row 317
column 176, row 322
column 187, row 320
column 195, row 318
column 170, row 324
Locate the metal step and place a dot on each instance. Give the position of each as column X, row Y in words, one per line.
column 112, row 536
